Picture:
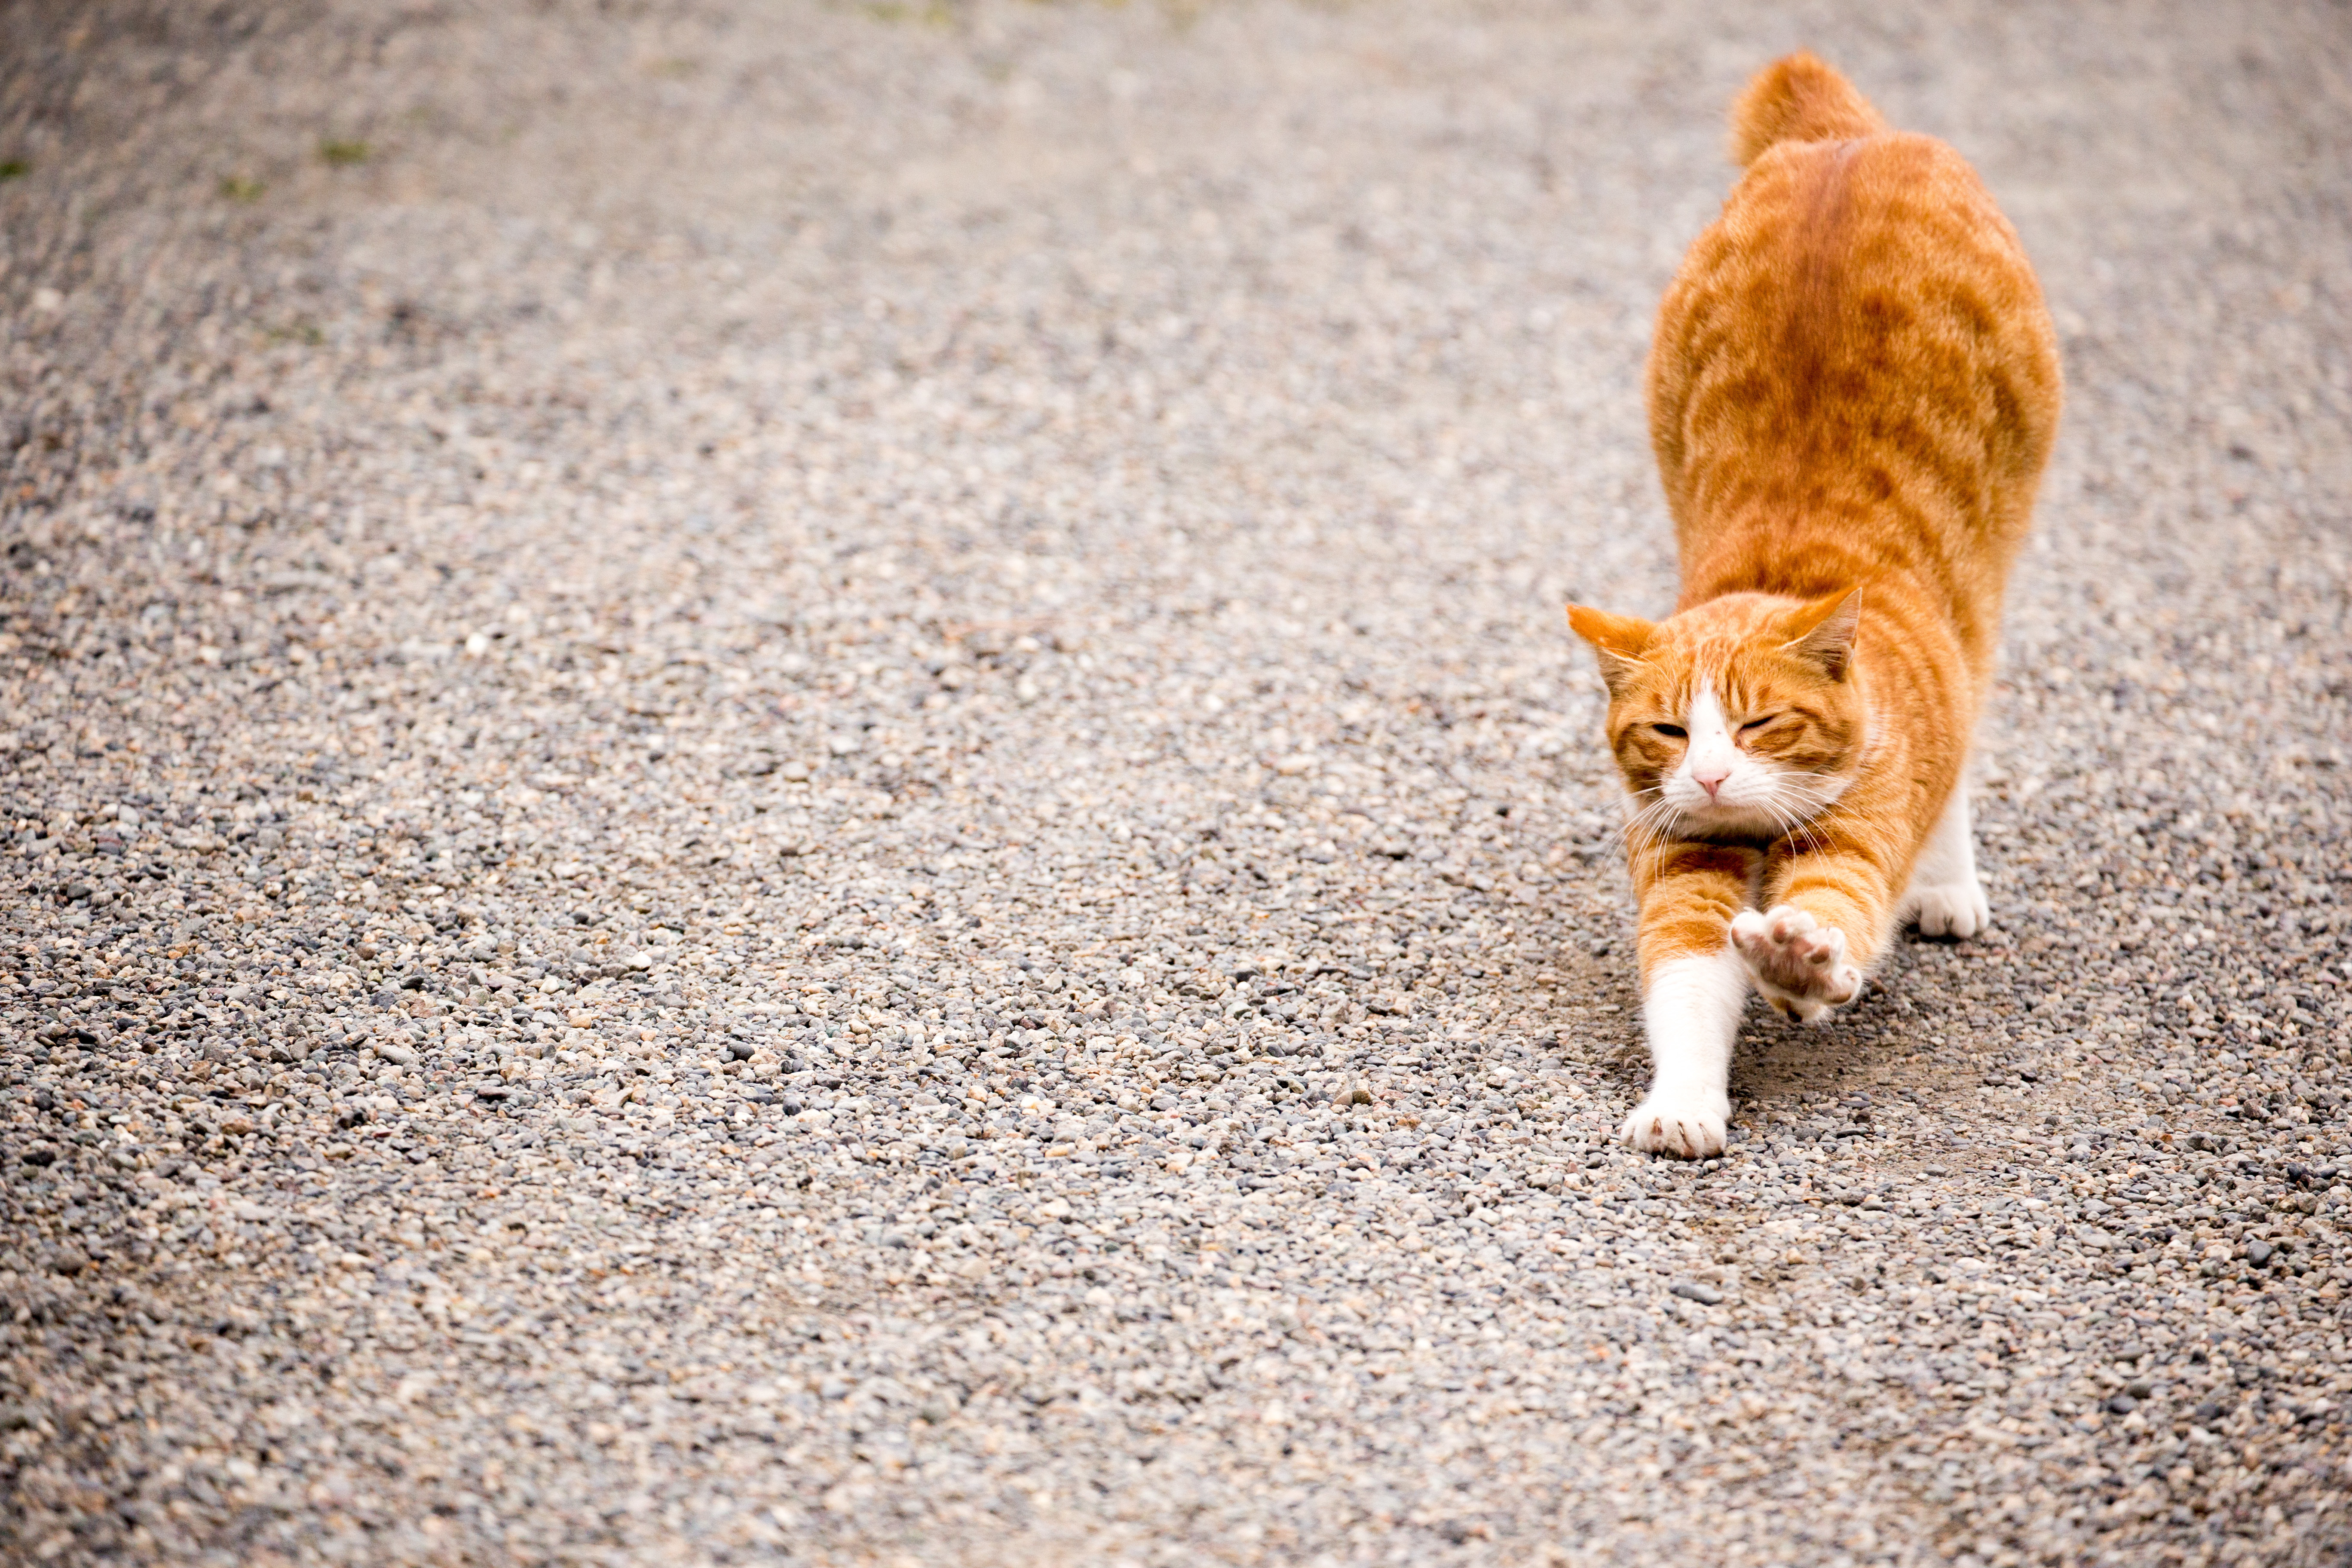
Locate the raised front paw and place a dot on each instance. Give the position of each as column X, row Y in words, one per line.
column 1799, row 964
column 1688, row 1126
column 1955, row 908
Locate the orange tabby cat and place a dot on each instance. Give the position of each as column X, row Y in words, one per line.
column 1851, row 395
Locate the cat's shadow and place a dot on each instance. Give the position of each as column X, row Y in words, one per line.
column 1778, row 1058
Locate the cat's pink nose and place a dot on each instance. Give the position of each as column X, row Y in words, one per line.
column 1710, row 781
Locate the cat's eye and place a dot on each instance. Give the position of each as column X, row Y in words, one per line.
column 1672, row 731
column 1757, row 723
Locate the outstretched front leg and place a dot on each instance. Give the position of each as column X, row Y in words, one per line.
column 1692, row 990
column 1829, row 907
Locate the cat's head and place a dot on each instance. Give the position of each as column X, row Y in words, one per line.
column 1737, row 717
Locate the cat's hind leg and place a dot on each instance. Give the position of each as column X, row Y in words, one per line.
column 1945, row 896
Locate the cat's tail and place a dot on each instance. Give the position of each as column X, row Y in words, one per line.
column 1798, row 99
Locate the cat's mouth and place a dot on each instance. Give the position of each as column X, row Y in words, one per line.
column 1729, row 822
column 1763, row 811
column 1732, row 824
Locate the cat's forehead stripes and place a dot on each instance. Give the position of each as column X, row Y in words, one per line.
column 1716, row 679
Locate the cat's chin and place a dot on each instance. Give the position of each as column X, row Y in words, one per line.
column 1730, row 824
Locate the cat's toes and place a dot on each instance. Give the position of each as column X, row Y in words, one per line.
column 1687, row 1127
column 1955, row 908
column 1797, row 964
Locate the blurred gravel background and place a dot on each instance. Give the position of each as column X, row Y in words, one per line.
column 798, row 784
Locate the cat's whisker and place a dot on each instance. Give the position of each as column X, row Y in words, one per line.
column 1802, row 829
column 1647, row 824
column 1794, row 821
column 1783, row 823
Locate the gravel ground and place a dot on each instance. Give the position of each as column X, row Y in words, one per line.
column 798, row 784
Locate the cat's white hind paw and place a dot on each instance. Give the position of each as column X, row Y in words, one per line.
column 1690, row 1126
column 1955, row 909
column 1798, row 963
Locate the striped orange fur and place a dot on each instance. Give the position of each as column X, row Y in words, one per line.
column 1852, row 393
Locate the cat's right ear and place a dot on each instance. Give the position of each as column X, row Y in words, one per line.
column 1617, row 641
column 1824, row 631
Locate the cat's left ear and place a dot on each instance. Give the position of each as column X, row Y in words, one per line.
column 1822, row 633
column 1617, row 641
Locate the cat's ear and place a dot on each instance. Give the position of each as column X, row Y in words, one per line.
column 1822, row 633
column 1618, row 640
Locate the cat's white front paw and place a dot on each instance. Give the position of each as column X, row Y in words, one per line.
column 1955, row 909
column 1690, row 1126
column 1798, row 963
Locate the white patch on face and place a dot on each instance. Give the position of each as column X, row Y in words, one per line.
column 1711, row 757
